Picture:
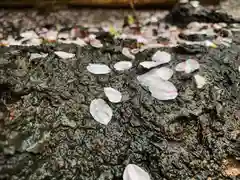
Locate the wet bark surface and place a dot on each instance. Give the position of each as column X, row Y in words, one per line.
column 47, row 131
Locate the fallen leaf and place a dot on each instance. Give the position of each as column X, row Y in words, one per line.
column 131, row 20
column 113, row 31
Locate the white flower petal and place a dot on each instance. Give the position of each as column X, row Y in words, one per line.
column 101, row 111
column 200, row 81
column 135, row 51
column 29, row 35
column 151, row 46
column 149, row 64
column 11, row 42
column 113, row 95
column 163, row 72
column 161, row 57
column 126, row 52
column 35, row 42
column 134, row 172
column 154, row 19
column 65, row 41
column 217, row 26
column 188, row 66
column 159, row 88
column 79, row 42
column 142, row 40
column 51, row 35
column 209, row 32
column 63, row 35
column 180, row 66
column 37, row 55
column 123, row 65
column 64, row 55
column 210, row 44
column 167, row 91
column 183, row 1
column 93, row 30
column 195, row 4
column 98, row 68
column 96, row 43
column 92, row 36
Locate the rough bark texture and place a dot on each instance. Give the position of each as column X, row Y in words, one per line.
column 47, row 131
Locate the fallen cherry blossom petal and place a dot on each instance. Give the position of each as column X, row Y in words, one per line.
column 96, row 43
column 29, row 35
column 93, row 30
column 142, row 40
column 149, row 64
column 37, row 55
column 11, row 42
column 92, row 37
column 210, row 44
column 64, row 55
column 183, row 1
column 63, row 35
column 33, row 42
column 98, row 68
column 162, row 57
column 135, row 51
column 126, row 52
column 134, row 172
column 151, row 46
column 188, row 66
column 200, row 81
column 167, row 92
column 65, row 41
column 123, row 65
column 163, row 73
column 113, row 95
column 51, row 35
column 101, row 111
column 195, row 4
column 79, row 42
column 159, row 88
